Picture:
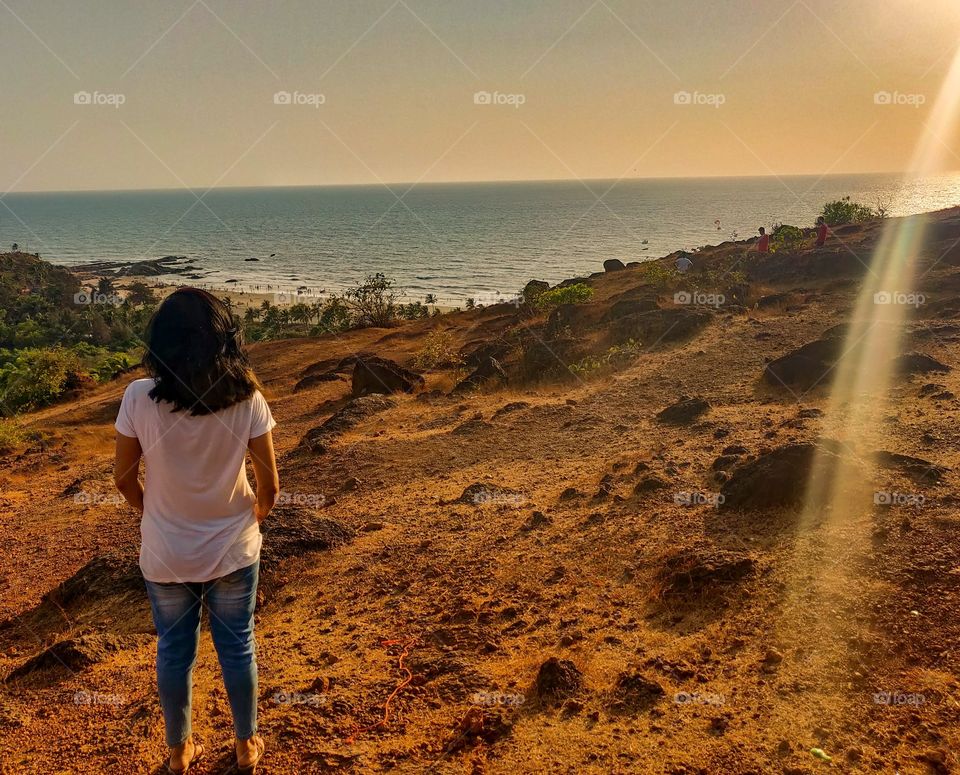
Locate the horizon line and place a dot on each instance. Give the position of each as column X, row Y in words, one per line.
column 498, row 181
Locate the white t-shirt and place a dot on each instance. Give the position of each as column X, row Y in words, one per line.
column 198, row 520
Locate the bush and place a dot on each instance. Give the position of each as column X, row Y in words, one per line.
column 373, row 302
column 12, row 436
column 845, row 211
column 786, row 238
column 578, row 293
column 439, row 350
column 35, row 377
column 658, row 275
column 617, row 357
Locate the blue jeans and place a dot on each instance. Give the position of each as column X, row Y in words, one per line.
column 230, row 601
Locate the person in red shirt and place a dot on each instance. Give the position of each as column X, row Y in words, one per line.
column 821, row 232
column 763, row 244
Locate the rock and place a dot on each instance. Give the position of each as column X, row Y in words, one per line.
column 684, row 411
column 650, row 484
column 349, row 485
column 479, row 494
column 489, row 369
column 699, row 569
column 771, row 660
column 380, row 375
column 780, row 477
column 735, row 449
column 103, row 576
column 479, row 725
column 372, row 527
column 571, row 493
column 558, row 679
column 807, row 366
column 316, row 379
column 918, row 469
column 533, row 289
column 293, row 530
column 349, row 417
column 613, row 265
column 724, row 462
column 537, row 520
column 513, row 406
column 76, row 654
column 625, row 307
column 660, row 326
column 634, row 691
column 474, row 424
column 918, row 363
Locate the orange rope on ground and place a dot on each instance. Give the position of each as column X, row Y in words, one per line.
column 386, row 706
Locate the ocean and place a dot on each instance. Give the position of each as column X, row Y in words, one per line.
column 455, row 241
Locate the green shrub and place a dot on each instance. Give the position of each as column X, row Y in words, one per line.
column 846, row 211
column 617, row 357
column 12, row 436
column 439, row 350
column 578, row 293
column 35, row 377
column 786, row 238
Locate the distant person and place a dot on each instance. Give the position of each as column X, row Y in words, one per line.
column 193, row 421
column 683, row 264
column 763, row 244
column 822, row 232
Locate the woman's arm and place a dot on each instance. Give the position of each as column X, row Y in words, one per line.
column 126, row 470
column 265, row 472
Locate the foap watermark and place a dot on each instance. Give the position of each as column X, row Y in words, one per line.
column 488, row 299
column 312, row 499
column 699, row 498
column 99, row 99
column 499, row 98
column 914, row 100
column 698, row 698
column 899, row 297
column 714, row 100
column 496, row 498
column 95, row 297
column 700, row 298
column 898, row 698
column 98, row 498
column 306, row 99
column 84, row 697
column 310, row 699
column 898, row 499
column 490, row 699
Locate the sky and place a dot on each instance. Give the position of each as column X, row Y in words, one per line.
column 125, row 94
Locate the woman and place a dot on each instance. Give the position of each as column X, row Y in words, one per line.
column 192, row 421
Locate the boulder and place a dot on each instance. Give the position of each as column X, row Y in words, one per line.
column 381, row 375
column 625, row 307
column 487, row 370
column 634, row 691
column 700, row 569
column 316, row 379
column 780, row 478
column 76, row 654
column 351, row 415
column 660, row 326
column 918, row 363
column 684, row 411
column 613, row 265
column 807, row 366
column 918, row 469
column 533, row 289
column 558, row 679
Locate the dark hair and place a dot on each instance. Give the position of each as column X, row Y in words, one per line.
column 195, row 354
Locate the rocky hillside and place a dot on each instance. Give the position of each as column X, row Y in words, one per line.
column 511, row 565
